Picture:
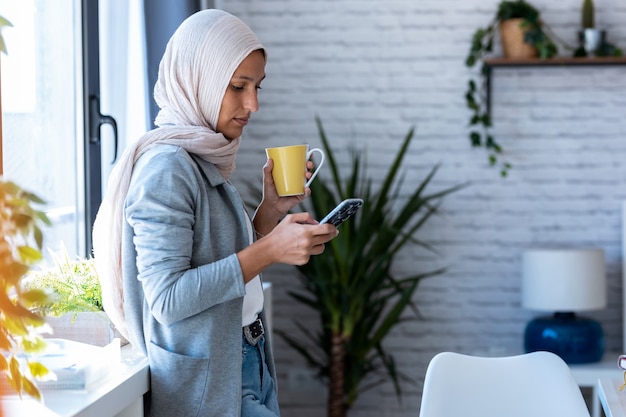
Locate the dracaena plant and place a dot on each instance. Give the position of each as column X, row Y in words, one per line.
column 359, row 299
column 20, row 248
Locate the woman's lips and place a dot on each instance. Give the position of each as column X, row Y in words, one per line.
column 241, row 121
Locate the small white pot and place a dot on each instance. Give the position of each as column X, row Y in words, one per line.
column 92, row 327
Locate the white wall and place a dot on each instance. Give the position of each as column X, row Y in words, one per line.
column 370, row 70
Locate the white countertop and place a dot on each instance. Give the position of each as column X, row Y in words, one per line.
column 121, row 391
column 118, row 395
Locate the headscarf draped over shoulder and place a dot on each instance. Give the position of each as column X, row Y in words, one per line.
column 199, row 61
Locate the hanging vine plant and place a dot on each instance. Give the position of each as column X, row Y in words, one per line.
column 534, row 34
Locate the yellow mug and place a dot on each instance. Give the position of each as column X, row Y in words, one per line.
column 290, row 168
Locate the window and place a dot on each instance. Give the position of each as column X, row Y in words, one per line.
column 55, row 139
column 41, row 104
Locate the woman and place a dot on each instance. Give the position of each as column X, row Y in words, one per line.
column 177, row 254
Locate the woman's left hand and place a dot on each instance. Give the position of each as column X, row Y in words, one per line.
column 273, row 207
column 270, row 195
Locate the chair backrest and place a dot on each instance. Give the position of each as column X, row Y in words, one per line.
column 537, row 384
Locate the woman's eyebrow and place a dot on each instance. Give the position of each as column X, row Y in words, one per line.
column 247, row 78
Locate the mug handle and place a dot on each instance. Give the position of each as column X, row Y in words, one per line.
column 317, row 166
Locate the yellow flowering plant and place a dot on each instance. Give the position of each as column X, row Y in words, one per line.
column 20, row 248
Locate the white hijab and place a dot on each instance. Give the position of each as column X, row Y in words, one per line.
column 196, row 68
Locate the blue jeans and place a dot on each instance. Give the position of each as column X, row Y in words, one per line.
column 258, row 388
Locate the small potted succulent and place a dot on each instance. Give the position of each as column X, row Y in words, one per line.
column 589, row 36
column 593, row 40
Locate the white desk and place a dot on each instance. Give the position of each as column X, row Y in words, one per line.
column 613, row 400
column 119, row 395
column 587, row 375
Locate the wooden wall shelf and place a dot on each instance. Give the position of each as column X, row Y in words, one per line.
column 567, row 61
column 538, row 62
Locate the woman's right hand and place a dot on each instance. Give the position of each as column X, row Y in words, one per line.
column 293, row 241
column 297, row 237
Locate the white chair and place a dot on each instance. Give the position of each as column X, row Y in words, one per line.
column 538, row 384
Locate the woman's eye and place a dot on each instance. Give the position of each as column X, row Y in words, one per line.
column 236, row 87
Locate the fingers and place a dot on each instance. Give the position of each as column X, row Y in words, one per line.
column 325, row 231
column 267, row 172
column 315, row 250
column 309, row 169
column 313, row 236
column 302, row 218
column 318, row 249
column 299, row 237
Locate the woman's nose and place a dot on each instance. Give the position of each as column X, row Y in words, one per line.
column 251, row 102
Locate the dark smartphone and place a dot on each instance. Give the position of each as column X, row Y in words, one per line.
column 343, row 211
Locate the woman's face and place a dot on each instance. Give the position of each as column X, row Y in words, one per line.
column 240, row 99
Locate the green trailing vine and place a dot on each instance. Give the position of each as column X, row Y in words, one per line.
column 481, row 46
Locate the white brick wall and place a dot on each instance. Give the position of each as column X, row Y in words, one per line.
column 371, row 69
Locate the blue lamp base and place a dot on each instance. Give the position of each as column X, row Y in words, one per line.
column 574, row 339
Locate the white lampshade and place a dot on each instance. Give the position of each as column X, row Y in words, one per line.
column 563, row 280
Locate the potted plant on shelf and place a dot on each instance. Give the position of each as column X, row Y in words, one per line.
column 523, row 35
column 593, row 40
column 20, row 248
column 590, row 37
column 351, row 286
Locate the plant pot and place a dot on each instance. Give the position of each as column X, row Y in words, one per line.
column 591, row 40
column 512, row 36
column 92, row 327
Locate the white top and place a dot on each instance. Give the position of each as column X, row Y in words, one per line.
column 253, row 300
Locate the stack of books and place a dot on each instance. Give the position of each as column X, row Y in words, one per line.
column 76, row 366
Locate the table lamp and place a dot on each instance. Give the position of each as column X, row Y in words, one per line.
column 564, row 282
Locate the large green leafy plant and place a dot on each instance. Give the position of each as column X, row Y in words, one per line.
column 21, row 240
column 3, row 23
column 20, row 248
column 351, row 286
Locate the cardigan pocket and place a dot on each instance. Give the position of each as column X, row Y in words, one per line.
column 178, row 383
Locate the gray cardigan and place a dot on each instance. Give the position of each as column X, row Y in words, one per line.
column 183, row 294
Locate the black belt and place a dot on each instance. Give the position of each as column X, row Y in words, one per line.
column 253, row 332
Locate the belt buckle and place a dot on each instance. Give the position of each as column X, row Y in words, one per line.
column 253, row 332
